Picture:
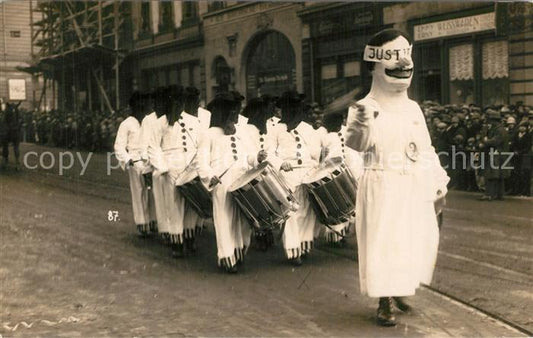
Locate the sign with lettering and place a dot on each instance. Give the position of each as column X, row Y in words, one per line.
column 464, row 25
column 17, row 89
column 377, row 54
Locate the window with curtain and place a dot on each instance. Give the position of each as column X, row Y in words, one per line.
column 495, row 72
column 461, row 69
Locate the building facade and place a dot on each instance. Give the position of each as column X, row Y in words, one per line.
column 17, row 52
column 254, row 48
column 464, row 52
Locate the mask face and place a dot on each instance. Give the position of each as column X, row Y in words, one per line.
column 394, row 66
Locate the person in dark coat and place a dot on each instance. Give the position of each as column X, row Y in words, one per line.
column 493, row 144
column 521, row 148
column 11, row 133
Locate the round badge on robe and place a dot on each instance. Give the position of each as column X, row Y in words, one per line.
column 412, row 151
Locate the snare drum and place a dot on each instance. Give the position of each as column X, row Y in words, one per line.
column 197, row 196
column 264, row 196
column 332, row 191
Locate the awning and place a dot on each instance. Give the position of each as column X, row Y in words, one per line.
column 93, row 54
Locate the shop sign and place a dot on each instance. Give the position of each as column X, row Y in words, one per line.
column 348, row 22
column 17, row 89
column 464, row 25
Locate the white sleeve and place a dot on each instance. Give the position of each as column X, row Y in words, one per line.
column 359, row 135
column 155, row 153
column 121, row 144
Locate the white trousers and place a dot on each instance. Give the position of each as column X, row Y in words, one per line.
column 139, row 197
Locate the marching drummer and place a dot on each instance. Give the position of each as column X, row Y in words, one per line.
column 169, row 157
column 295, row 148
column 396, row 222
column 336, row 148
column 258, row 111
column 149, row 132
column 222, row 159
column 190, row 133
column 128, row 151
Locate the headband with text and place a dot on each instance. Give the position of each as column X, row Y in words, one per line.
column 379, row 54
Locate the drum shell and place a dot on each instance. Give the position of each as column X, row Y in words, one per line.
column 333, row 196
column 198, row 197
column 266, row 199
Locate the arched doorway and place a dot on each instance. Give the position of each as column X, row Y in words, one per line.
column 270, row 65
column 221, row 72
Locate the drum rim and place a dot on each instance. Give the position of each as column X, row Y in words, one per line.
column 334, row 162
column 256, row 172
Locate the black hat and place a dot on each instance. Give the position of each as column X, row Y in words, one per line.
column 333, row 122
column 290, row 98
column 135, row 99
column 254, row 105
column 191, row 92
column 221, row 99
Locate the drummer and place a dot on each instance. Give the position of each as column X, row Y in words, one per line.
column 128, row 152
column 273, row 111
column 295, row 148
column 170, row 158
column 192, row 127
column 336, row 148
column 151, row 131
column 222, row 159
column 258, row 111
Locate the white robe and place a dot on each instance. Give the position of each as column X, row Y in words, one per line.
column 149, row 126
column 128, row 147
column 396, row 224
column 152, row 139
column 300, row 228
column 215, row 156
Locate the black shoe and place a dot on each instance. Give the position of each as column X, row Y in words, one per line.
column 232, row 269
column 385, row 314
column 296, row 261
column 190, row 245
column 177, row 251
column 141, row 232
column 402, row 305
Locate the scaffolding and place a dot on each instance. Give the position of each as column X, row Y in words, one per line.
column 81, row 46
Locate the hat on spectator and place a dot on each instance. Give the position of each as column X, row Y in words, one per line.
column 442, row 125
column 505, row 109
column 511, row 120
column 493, row 114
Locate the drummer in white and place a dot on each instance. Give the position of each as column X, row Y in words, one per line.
column 396, row 223
column 128, row 151
column 222, row 159
column 295, row 148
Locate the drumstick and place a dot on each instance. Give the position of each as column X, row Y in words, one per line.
column 223, row 173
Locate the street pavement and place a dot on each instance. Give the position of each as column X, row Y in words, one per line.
column 66, row 270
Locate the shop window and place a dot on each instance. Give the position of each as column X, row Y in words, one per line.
column 222, row 74
column 495, row 73
column 338, row 79
column 166, row 17
column 461, row 68
column 173, row 75
column 145, row 28
column 329, row 72
column 351, row 69
column 428, row 72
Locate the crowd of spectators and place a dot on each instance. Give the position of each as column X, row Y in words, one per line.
column 463, row 136
column 92, row 131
